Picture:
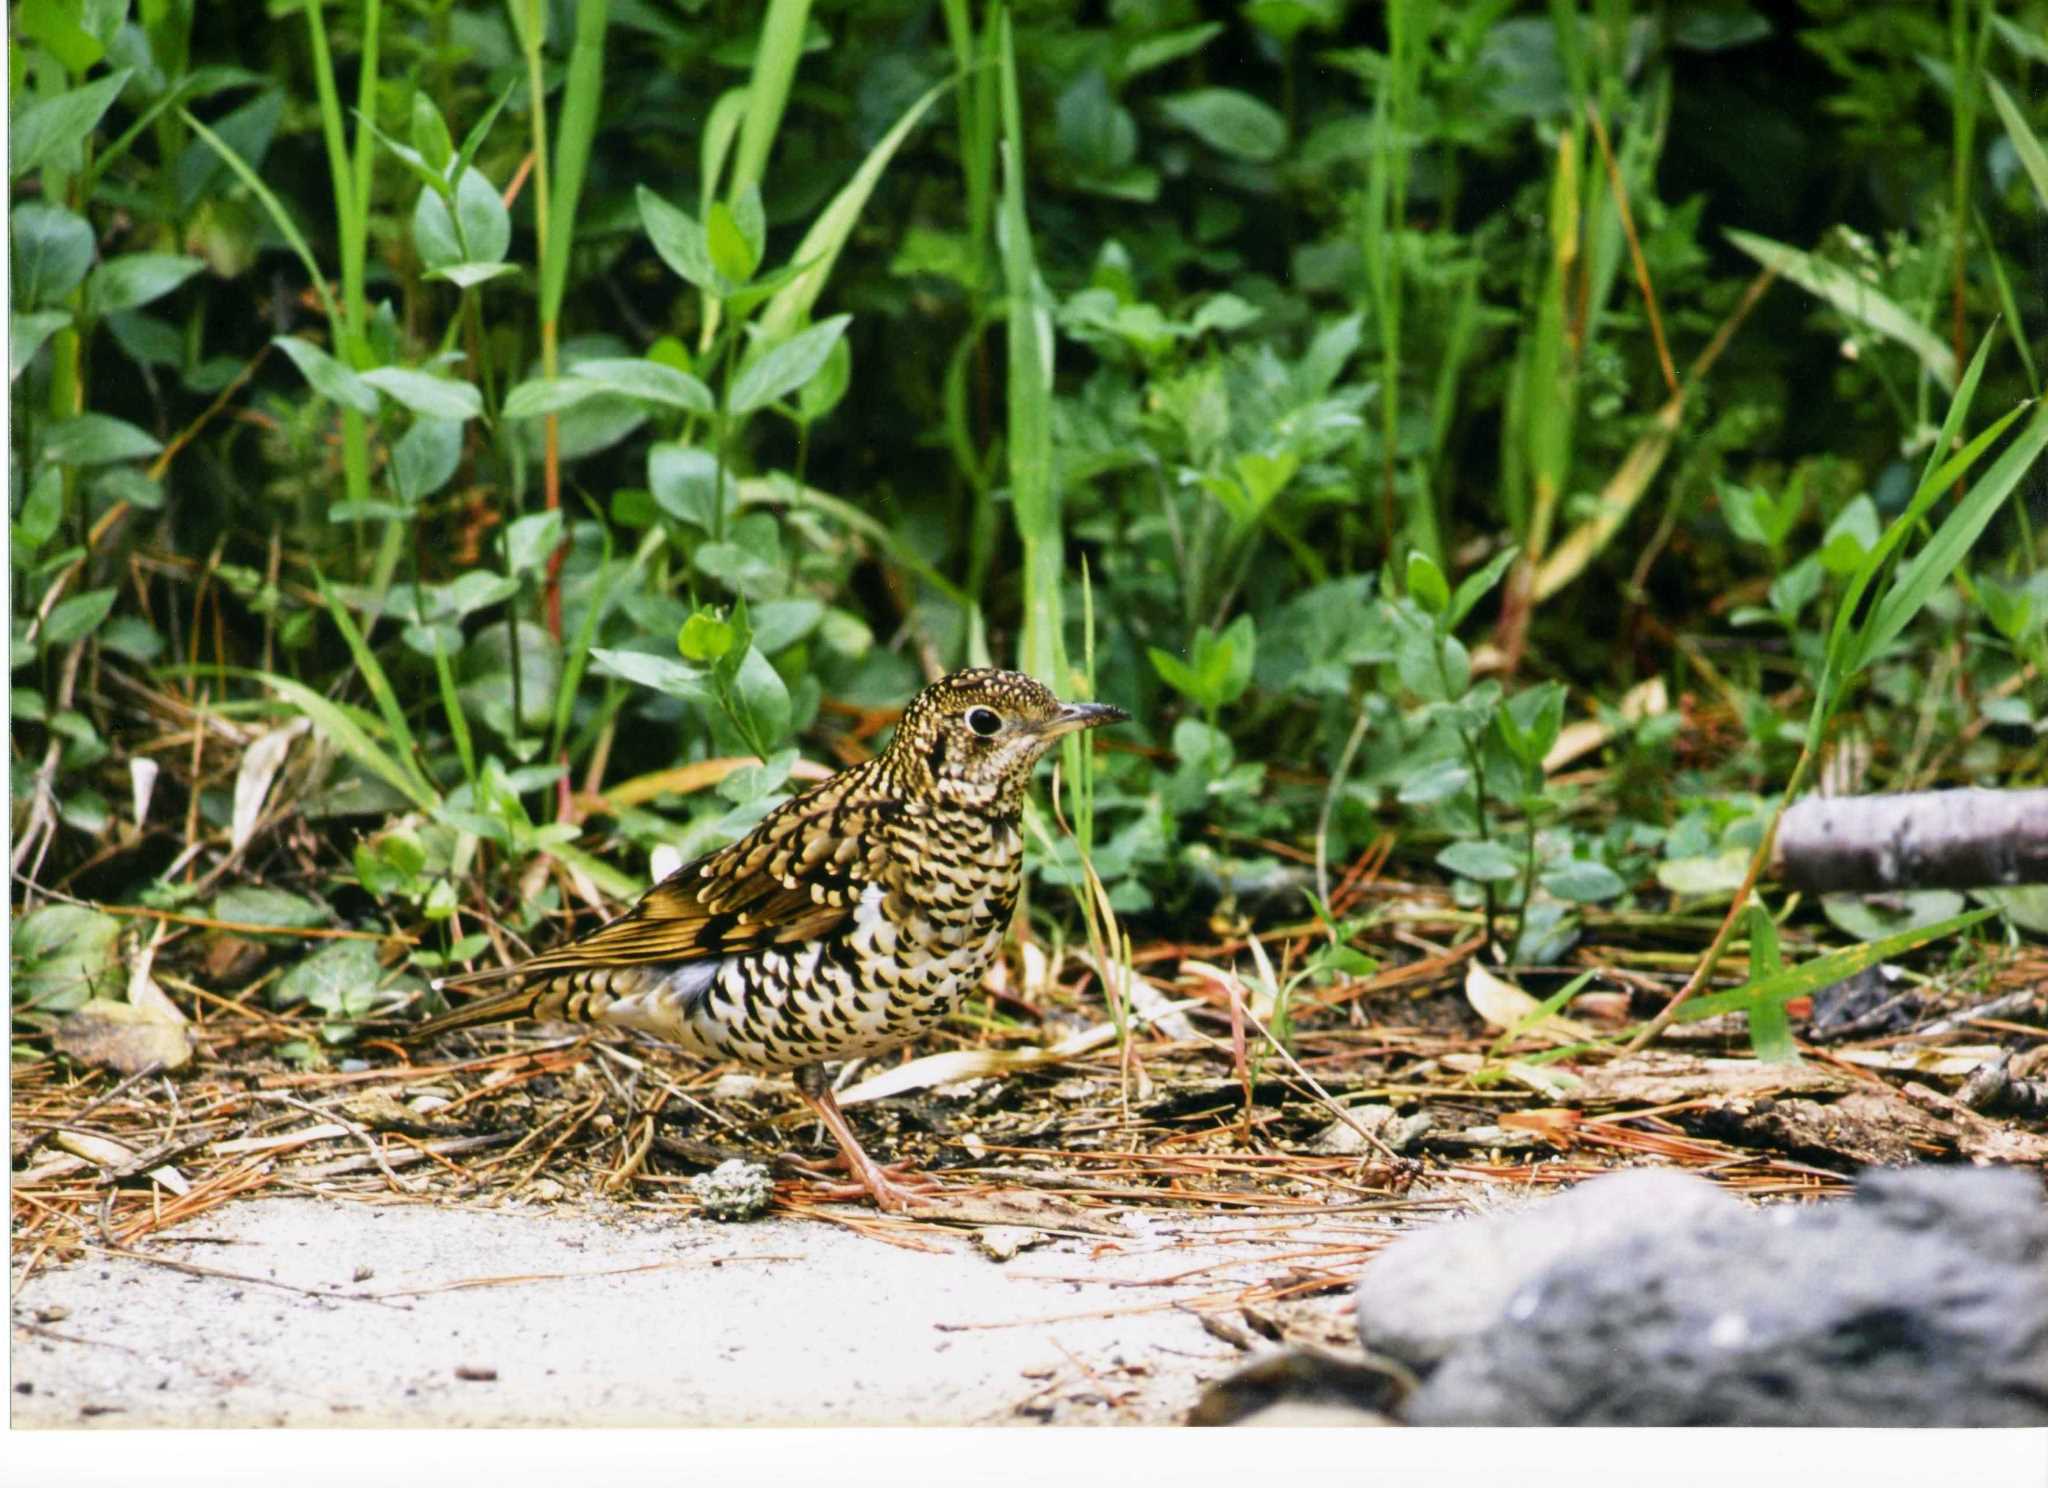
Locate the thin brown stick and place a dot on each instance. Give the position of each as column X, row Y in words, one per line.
column 1635, row 247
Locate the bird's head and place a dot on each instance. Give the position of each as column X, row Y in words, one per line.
column 971, row 738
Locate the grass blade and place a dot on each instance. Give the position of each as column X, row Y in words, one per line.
column 1855, row 299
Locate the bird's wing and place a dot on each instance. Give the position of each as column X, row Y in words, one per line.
column 796, row 877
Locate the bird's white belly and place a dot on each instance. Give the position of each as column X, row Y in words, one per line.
column 781, row 1008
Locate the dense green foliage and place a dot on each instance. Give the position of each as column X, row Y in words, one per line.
column 1357, row 394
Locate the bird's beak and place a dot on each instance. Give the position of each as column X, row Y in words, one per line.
column 1073, row 717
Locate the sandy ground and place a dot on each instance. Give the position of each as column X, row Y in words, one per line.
column 323, row 1312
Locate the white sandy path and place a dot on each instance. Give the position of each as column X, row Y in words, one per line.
column 844, row 1330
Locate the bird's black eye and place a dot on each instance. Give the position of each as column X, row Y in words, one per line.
column 984, row 721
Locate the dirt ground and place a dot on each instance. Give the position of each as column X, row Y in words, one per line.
column 326, row 1312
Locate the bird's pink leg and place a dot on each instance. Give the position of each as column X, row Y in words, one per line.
column 874, row 1179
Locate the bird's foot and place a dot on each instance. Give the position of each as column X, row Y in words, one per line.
column 895, row 1187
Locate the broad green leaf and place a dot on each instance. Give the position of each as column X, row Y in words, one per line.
column 426, row 394
column 680, row 241
column 78, row 616
column 1582, row 882
column 731, row 254
column 545, row 395
column 329, row 377
column 784, row 368
column 1875, row 917
column 1489, row 862
column 1426, row 584
column 637, row 377
column 252, row 904
column 54, row 131
column 97, row 439
column 684, row 483
column 41, row 510
column 1434, row 782
column 1229, row 121
column 1168, row 46
column 763, row 699
column 136, row 279
column 663, row 674
column 339, row 979
column 425, row 460
column 53, row 248
column 26, row 335
column 62, row 954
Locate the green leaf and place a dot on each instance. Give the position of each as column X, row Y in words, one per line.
column 1488, row 862
column 781, row 623
column 731, row 254
column 41, row 510
column 1877, row 916
column 1229, row 121
column 2025, row 143
column 136, row 279
column 1854, row 298
column 545, row 395
column 329, row 377
column 706, row 636
column 680, row 242
column 1477, row 585
column 1824, row 971
column 1582, row 882
column 96, row 439
column 684, row 483
column 822, row 393
column 339, row 979
column 828, row 233
column 762, row 700
column 26, row 335
column 638, row 377
column 1168, row 46
column 53, row 248
column 531, row 540
column 77, row 616
column 663, row 674
column 784, row 368
column 54, row 131
column 1928, row 569
column 425, row 394
column 430, row 137
column 1530, row 722
column 425, row 460
column 62, row 954
column 251, row 904
column 348, row 729
column 1435, row 782
column 1178, row 675
column 1426, row 584
column 1234, row 654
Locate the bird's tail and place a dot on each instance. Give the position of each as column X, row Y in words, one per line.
column 523, row 999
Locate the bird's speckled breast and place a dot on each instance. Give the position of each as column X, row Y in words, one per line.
column 910, row 953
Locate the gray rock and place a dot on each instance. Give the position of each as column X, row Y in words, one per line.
column 1922, row 1301
column 1430, row 1291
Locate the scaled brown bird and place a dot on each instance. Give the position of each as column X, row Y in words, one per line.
column 848, row 921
